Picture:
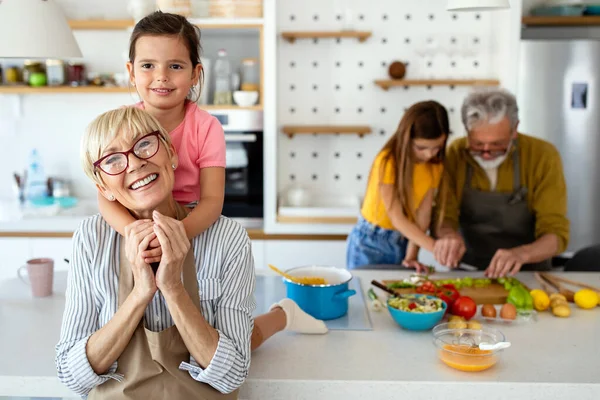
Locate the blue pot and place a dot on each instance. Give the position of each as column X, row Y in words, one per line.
column 323, row 302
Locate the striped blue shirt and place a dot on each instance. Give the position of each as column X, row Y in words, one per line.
column 226, row 281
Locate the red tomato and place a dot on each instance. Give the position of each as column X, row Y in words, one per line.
column 440, row 295
column 465, row 307
column 412, row 306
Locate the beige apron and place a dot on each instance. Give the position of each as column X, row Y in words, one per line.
column 150, row 362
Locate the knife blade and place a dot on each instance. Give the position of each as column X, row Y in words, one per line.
column 467, row 267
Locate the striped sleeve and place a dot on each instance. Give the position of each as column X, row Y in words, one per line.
column 229, row 366
column 80, row 319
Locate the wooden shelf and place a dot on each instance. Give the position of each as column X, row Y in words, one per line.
column 203, row 23
column 316, row 220
column 101, row 24
column 25, row 90
column 359, row 130
column 385, row 84
column 561, row 21
column 62, row 89
column 293, row 36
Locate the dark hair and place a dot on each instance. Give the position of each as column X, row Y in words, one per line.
column 164, row 24
column 423, row 120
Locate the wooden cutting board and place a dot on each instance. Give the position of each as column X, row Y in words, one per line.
column 492, row 294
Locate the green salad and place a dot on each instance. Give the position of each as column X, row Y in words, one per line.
column 416, row 304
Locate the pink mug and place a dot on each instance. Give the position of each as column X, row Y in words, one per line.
column 40, row 276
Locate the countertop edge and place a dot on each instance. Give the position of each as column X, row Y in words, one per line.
column 340, row 389
column 254, row 234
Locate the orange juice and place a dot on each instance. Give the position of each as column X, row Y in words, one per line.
column 467, row 358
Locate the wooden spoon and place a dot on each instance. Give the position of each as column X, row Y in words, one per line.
column 303, row 280
column 569, row 294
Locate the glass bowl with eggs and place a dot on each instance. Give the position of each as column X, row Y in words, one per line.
column 469, row 348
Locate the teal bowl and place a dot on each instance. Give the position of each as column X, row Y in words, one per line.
column 417, row 321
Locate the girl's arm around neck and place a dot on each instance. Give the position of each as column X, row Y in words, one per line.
column 210, row 204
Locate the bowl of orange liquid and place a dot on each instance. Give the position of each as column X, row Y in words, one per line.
column 459, row 348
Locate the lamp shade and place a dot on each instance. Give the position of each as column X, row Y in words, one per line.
column 35, row 29
column 477, row 5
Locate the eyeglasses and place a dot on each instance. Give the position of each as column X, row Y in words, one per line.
column 491, row 153
column 116, row 163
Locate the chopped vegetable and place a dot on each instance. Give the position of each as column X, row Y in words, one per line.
column 416, row 304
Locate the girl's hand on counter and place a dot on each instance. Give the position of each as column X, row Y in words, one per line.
column 420, row 268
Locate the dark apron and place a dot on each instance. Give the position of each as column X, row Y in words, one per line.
column 492, row 220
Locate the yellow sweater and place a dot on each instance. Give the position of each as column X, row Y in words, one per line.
column 541, row 172
column 425, row 176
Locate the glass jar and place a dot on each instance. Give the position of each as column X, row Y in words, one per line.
column 76, row 74
column 250, row 75
column 55, row 72
column 12, row 75
column 31, row 67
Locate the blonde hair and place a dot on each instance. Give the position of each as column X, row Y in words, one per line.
column 130, row 122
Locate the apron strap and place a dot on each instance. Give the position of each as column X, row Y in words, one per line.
column 516, row 169
column 469, row 175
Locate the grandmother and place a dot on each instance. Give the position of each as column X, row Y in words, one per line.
column 180, row 329
column 507, row 203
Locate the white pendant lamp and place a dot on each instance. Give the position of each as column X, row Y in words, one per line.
column 477, row 5
column 35, row 29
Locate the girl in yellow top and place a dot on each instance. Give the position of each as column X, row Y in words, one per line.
column 397, row 208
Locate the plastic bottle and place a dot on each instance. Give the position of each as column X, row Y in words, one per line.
column 35, row 184
column 222, row 79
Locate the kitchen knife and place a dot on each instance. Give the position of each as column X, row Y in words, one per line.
column 466, row 267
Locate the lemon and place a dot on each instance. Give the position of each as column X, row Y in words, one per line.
column 541, row 301
column 586, row 298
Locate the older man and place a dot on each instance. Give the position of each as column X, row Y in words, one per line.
column 507, row 193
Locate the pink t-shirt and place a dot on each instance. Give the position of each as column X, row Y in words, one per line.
column 200, row 143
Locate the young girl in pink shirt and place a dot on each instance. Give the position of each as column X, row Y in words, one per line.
column 164, row 67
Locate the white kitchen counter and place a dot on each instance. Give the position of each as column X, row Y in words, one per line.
column 550, row 359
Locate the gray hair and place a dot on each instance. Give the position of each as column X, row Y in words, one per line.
column 491, row 106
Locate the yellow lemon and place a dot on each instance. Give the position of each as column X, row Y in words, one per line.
column 586, row 298
column 541, row 301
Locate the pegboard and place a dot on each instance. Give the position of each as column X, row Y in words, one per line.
column 331, row 81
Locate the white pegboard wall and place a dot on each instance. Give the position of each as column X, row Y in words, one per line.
column 331, row 82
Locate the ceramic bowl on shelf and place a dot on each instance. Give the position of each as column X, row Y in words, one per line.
column 245, row 98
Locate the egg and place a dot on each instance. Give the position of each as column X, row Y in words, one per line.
column 488, row 311
column 508, row 311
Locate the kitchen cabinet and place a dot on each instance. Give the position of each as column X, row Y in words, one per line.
column 14, row 252
column 285, row 254
column 258, row 251
column 56, row 248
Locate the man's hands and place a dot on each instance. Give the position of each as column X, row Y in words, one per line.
column 449, row 250
column 506, row 261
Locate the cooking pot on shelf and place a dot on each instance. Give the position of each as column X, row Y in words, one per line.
column 325, row 302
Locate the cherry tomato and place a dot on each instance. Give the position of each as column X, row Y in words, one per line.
column 464, row 307
column 412, row 306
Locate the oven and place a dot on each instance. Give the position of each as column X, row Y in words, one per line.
column 244, row 165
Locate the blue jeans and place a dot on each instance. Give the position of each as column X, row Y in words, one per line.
column 369, row 244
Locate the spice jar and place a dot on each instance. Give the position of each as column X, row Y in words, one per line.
column 31, row 67
column 250, row 75
column 12, row 75
column 76, row 74
column 55, row 72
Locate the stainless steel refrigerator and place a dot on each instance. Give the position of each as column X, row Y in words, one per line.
column 559, row 100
